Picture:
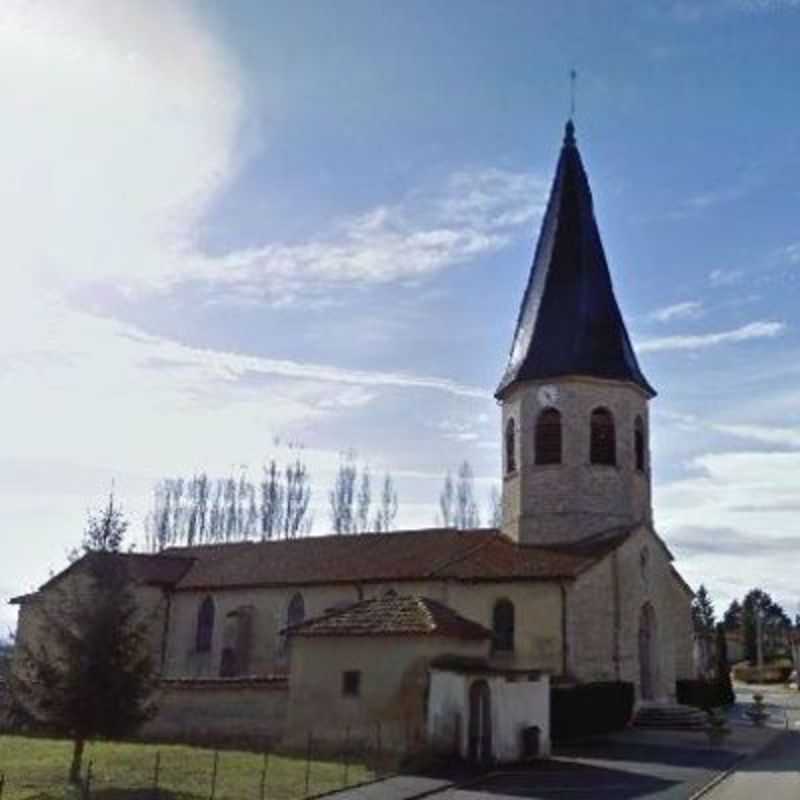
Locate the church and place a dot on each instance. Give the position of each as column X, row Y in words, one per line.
column 274, row 639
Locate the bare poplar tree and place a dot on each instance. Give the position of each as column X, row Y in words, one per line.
column 363, row 502
column 447, row 502
column 387, row 511
column 457, row 505
column 297, row 518
column 199, row 510
column 342, row 496
column 272, row 499
column 495, row 515
column 466, row 510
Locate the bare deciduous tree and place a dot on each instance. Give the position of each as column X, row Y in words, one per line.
column 457, row 505
column 495, row 515
column 387, row 511
column 199, row 510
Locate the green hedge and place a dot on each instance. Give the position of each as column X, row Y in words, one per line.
column 590, row 708
column 703, row 694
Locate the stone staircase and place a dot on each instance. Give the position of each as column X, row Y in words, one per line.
column 671, row 716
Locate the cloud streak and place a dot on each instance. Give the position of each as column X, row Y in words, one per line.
column 702, row 341
column 475, row 213
column 688, row 310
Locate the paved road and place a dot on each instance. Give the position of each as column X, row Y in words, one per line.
column 661, row 765
column 775, row 773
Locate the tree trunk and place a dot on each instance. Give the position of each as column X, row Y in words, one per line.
column 77, row 760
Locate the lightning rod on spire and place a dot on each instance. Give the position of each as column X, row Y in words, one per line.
column 573, row 74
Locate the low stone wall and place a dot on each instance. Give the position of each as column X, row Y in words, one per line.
column 5, row 706
column 241, row 711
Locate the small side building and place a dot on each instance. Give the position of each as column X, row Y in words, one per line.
column 396, row 671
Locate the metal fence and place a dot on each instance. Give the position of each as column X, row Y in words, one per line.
column 168, row 772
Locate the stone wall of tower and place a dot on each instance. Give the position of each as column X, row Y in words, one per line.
column 562, row 503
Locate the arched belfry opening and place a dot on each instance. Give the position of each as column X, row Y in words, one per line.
column 547, row 442
column 511, row 446
column 603, row 440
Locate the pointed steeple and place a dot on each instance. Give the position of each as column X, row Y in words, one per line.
column 569, row 322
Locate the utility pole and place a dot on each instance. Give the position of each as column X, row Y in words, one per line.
column 759, row 643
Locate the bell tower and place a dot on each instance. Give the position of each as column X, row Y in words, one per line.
column 576, row 455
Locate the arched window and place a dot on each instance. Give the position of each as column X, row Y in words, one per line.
column 548, row 437
column 205, row 626
column 603, row 447
column 638, row 444
column 503, row 626
column 296, row 612
column 511, row 446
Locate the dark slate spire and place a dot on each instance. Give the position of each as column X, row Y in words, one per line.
column 569, row 322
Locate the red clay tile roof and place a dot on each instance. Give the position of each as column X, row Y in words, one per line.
column 143, row 568
column 475, row 555
column 393, row 616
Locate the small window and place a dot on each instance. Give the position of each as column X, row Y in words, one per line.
column 228, row 667
column 603, row 446
column 503, row 626
column 296, row 612
column 548, row 437
column 205, row 626
column 351, row 683
column 638, row 444
column 511, row 446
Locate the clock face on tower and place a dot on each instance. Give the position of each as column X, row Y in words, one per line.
column 547, row 395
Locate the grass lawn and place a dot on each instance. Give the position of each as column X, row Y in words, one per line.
column 35, row 769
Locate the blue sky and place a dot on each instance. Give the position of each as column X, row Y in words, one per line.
column 230, row 222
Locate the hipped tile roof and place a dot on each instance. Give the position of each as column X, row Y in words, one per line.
column 400, row 615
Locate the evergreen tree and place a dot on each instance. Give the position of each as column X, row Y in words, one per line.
column 92, row 677
column 774, row 624
column 723, row 672
column 732, row 619
column 105, row 531
column 703, row 615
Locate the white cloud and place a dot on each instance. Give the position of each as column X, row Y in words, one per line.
column 725, row 277
column 690, row 309
column 792, row 253
column 476, row 212
column 733, row 515
column 786, row 436
column 120, row 124
column 753, row 330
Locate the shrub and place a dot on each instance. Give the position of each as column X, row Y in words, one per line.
column 768, row 674
column 703, row 694
column 590, row 708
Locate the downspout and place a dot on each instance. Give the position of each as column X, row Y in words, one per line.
column 165, row 631
column 617, row 620
column 564, row 641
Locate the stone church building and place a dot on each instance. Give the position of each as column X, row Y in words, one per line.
column 272, row 639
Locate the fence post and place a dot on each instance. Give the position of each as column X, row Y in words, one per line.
column 2, row 783
column 214, row 769
column 263, row 787
column 346, row 757
column 308, row 765
column 157, row 775
column 87, row 786
column 379, row 744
